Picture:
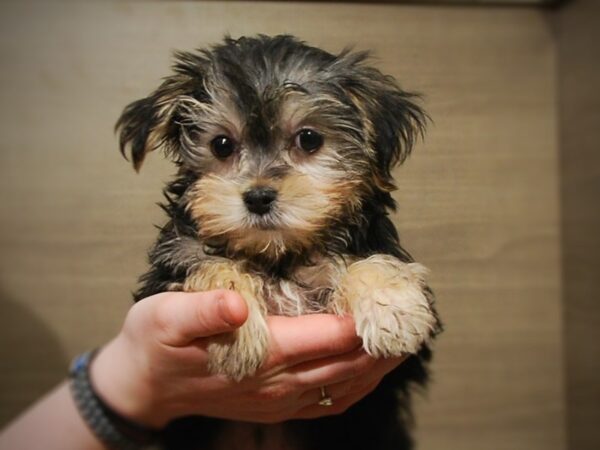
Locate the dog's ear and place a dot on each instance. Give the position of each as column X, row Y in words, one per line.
column 393, row 118
column 397, row 123
column 146, row 124
column 154, row 121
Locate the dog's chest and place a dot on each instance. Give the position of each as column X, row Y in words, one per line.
column 303, row 289
column 306, row 290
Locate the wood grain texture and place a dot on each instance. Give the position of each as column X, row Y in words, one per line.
column 478, row 199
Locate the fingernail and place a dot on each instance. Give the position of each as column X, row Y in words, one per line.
column 230, row 308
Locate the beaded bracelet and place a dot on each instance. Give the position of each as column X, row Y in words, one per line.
column 115, row 431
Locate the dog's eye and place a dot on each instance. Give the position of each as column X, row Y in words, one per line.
column 222, row 146
column 309, row 140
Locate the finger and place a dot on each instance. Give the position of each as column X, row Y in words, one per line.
column 335, row 369
column 339, row 405
column 304, row 338
column 184, row 317
column 340, row 389
column 335, row 391
column 290, row 387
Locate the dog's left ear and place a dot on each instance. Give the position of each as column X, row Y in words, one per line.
column 146, row 124
column 394, row 120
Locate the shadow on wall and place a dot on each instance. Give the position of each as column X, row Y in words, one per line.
column 31, row 359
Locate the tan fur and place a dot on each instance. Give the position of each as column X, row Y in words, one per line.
column 386, row 297
column 306, row 205
column 369, row 128
column 240, row 353
column 155, row 138
column 388, row 301
column 217, row 205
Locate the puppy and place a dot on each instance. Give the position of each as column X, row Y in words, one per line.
column 284, row 155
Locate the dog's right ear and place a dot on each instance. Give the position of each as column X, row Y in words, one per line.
column 146, row 124
column 156, row 121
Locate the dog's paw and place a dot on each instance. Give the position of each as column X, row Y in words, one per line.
column 241, row 353
column 390, row 305
column 397, row 322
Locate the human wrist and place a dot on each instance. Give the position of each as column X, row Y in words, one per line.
column 119, row 379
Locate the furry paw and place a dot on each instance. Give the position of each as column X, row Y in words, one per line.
column 241, row 353
column 390, row 305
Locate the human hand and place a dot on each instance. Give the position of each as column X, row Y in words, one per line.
column 155, row 370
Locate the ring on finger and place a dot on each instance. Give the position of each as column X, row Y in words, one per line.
column 325, row 400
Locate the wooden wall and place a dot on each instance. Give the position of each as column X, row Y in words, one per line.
column 478, row 200
column 578, row 31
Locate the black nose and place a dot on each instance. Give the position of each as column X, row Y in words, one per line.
column 259, row 199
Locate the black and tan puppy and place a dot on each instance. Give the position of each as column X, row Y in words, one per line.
column 284, row 153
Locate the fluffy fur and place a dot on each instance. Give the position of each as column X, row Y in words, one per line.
column 325, row 242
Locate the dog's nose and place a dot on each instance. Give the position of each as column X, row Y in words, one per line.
column 259, row 199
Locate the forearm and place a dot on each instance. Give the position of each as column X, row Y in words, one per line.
column 53, row 423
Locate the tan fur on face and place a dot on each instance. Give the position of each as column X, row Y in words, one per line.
column 216, row 204
column 316, row 190
column 305, row 206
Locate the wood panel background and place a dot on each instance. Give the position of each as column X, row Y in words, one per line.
column 578, row 31
column 478, row 199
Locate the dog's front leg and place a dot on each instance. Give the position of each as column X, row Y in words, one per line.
column 390, row 304
column 240, row 353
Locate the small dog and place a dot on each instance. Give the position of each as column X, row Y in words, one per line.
column 284, row 154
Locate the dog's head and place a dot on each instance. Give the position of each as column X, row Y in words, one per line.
column 284, row 140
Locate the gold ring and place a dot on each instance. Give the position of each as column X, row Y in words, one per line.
column 325, row 399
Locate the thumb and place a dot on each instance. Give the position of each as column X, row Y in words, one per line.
column 185, row 317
